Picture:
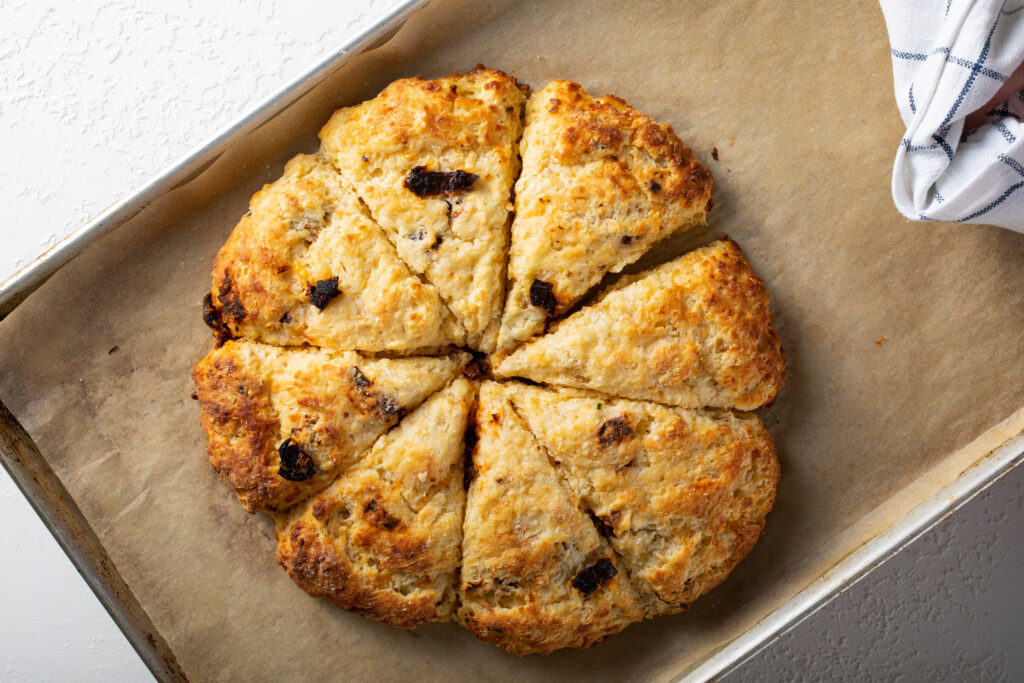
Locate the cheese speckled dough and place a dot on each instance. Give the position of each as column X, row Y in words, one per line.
column 601, row 184
column 536, row 575
column 467, row 122
column 308, row 227
column 696, row 331
column 384, row 540
column 682, row 494
column 330, row 405
column 584, row 513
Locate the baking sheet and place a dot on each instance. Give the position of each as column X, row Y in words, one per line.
column 796, row 99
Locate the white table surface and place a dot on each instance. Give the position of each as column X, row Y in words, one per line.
column 98, row 95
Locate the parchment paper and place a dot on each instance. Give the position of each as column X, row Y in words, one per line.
column 795, row 96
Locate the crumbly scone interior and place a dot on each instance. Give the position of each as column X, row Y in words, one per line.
column 542, row 554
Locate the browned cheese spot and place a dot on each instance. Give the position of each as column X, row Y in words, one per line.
column 379, row 516
column 229, row 300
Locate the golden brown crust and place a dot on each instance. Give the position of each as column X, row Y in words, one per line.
column 682, row 495
column 696, row 331
column 583, row 513
column 601, row 184
column 240, row 424
column 331, row 405
column 609, row 126
column 536, row 575
column 384, row 540
column 308, row 228
column 466, row 122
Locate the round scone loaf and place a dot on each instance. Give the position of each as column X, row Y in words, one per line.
column 404, row 380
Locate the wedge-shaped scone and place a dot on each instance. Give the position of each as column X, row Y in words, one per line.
column 536, row 575
column 306, row 265
column 601, row 183
column 282, row 423
column 435, row 162
column 384, row 539
column 696, row 331
column 682, row 495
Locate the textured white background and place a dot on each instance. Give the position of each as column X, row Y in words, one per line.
column 97, row 96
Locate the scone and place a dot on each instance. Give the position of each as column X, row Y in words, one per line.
column 434, row 161
column 681, row 495
column 601, row 183
column 536, row 574
column 282, row 423
column 384, row 539
column 307, row 265
column 359, row 307
column 693, row 332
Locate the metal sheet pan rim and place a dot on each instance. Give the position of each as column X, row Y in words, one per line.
column 832, row 583
column 869, row 556
column 27, row 279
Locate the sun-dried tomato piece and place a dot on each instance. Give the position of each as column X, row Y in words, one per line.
column 361, row 380
column 594, row 576
column 389, row 408
column 229, row 300
column 386, row 406
column 478, row 368
column 603, row 527
column 614, row 430
column 215, row 320
column 296, row 464
column 542, row 294
column 323, row 291
column 424, row 183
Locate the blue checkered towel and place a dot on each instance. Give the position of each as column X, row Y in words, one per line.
column 949, row 58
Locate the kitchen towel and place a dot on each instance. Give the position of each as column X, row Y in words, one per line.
column 950, row 58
